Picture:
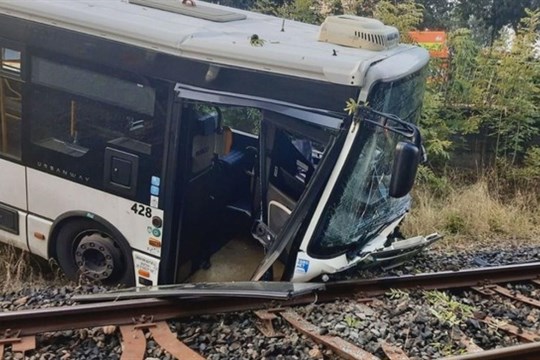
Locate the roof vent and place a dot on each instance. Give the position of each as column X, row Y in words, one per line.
column 189, row 8
column 358, row 32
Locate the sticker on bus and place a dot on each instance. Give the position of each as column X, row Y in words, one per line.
column 302, row 266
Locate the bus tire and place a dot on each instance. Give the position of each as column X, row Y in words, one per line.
column 87, row 248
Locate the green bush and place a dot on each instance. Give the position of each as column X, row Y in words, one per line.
column 454, row 224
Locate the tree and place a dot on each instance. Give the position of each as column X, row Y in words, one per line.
column 239, row 4
column 437, row 14
column 405, row 16
column 515, row 94
column 268, row 7
column 462, row 67
column 491, row 90
column 299, row 10
column 495, row 13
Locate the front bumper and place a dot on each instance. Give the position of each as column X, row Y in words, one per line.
column 398, row 252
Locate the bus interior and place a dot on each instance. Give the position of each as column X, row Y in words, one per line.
column 247, row 167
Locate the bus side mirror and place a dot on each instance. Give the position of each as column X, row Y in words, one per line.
column 406, row 160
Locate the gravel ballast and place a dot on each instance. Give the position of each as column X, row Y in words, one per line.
column 415, row 322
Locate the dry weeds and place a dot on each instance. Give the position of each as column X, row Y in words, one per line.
column 19, row 269
column 473, row 215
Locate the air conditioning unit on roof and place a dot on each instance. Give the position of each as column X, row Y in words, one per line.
column 358, row 32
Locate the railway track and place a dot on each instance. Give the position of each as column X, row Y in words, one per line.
column 137, row 319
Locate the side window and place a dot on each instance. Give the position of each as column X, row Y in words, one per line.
column 76, row 111
column 10, row 102
column 220, row 129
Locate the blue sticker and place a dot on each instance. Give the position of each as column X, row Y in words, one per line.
column 156, row 181
column 154, row 190
column 156, row 232
column 302, row 265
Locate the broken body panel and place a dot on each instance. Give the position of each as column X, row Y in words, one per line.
column 247, row 289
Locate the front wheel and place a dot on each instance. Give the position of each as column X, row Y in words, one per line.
column 87, row 248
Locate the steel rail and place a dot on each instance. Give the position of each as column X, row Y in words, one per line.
column 124, row 312
column 438, row 280
column 32, row 322
column 530, row 351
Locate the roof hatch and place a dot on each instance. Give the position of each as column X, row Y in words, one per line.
column 358, row 32
column 189, row 8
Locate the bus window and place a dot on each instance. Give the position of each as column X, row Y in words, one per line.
column 10, row 102
column 11, row 61
column 75, row 111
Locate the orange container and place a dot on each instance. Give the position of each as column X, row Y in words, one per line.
column 433, row 41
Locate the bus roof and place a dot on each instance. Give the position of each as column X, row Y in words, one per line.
column 294, row 51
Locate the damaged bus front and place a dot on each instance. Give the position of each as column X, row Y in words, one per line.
column 200, row 151
column 353, row 219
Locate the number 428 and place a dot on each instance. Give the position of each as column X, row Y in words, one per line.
column 142, row 210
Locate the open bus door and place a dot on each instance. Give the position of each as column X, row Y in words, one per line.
column 291, row 148
column 294, row 149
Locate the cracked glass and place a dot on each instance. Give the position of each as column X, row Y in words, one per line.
column 360, row 205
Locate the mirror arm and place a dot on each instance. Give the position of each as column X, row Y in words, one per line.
column 408, row 130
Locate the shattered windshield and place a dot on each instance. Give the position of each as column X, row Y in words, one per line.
column 360, row 204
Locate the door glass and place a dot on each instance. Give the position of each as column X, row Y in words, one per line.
column 10, row 102
column 243, row 119
column 293, row 153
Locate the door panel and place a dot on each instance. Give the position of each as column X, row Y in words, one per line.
column 289, row 165
column 13, row 194
column 13, row 184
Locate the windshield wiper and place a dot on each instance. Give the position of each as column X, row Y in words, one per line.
column 392, row 123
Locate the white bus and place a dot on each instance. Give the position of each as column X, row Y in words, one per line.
column 153, row 141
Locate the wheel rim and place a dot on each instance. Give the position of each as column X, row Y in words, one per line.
column 97, row 257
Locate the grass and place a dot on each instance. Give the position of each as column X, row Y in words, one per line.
column 447, row 309
column 19, row 270
column 475, row 214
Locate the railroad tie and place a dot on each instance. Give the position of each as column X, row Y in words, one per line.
column 168, row 341
column 490, row 290
column 339, row 346
column 469, row 344
column 264, row 323
column 18, row 343
column 393, row 352
column 26, row 343
column 133, row 342
column 523, row 334
column 514, row 295
column 527, row 351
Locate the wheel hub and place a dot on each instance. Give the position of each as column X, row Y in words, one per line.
column 96, row 256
